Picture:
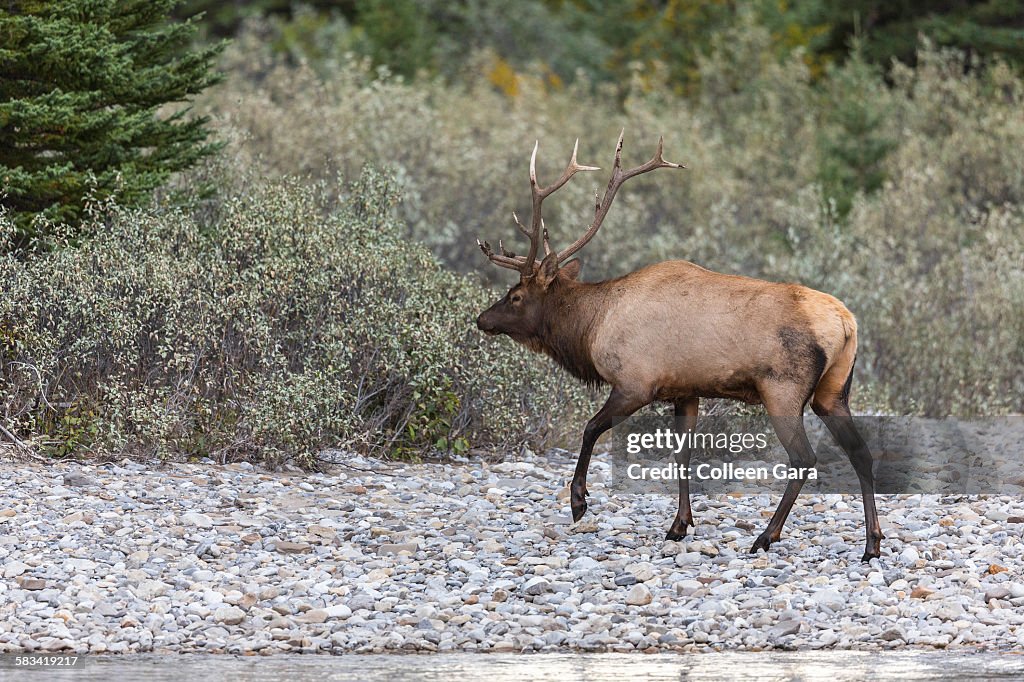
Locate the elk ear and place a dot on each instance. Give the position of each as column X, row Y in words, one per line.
column 571, row 269
column 548, row 269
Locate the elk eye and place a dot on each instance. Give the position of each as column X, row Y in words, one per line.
column 516, row 298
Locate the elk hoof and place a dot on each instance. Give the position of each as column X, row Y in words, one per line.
column 674, row 534
column 763, row 541
column 579, row 508
column 873, row 548
column 578, row 503
column 677, row 531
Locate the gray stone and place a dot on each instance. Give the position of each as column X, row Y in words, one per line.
column 997, row 592
column 584, row 563
column 784, row 628
column 397, row 548
column 643, row 571
column 14, row 568
column 196, row 520
column 338, row 611
column 229, row 615
column 78, row 480
column 150, row 589
column 830, row 598
column 893, row 635
column 536, row 586
column 313, row 616
column 639, row 595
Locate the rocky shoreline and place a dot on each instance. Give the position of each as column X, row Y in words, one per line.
column 470, row 556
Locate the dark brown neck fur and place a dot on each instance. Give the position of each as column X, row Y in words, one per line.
column 567, row 325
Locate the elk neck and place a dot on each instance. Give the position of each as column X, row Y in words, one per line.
column 568, row 324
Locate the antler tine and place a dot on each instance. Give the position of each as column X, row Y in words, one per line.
column 570, row 170
column 533, row 163
column 547, row 246
column 618, row 150
column 618, row 177
column 540, row 193
column 522, row 229
column 658, row 157
column 660, row 149
column 657, row 161
column 505, row 261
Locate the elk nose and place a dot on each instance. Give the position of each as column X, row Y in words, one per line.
column 483, row 325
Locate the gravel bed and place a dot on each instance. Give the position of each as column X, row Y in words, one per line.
column 471, row 556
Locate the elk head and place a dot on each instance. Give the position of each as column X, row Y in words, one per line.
column 520, row 313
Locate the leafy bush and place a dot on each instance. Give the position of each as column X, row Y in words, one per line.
column 904, row 201
column 281, row 324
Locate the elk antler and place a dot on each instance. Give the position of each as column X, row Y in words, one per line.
column 538, row 234
column 619, row 176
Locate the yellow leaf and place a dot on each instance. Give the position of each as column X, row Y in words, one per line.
column 503, row 76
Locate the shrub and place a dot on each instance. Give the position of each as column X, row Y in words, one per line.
column 286, row 324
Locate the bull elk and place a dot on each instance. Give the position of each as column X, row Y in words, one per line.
column 675, row 332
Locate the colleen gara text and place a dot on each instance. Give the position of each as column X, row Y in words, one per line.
column 725, row 471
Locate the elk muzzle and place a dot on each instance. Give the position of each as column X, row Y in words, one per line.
column 485, row 323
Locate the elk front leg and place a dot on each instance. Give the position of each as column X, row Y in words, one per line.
column 617, row 405
column 686, row 420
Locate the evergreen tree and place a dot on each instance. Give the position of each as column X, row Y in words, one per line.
column 82, row 83
column 891, row 29
column 222, row 18
column 854, row 140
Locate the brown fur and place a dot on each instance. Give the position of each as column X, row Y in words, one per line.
column 674, row 330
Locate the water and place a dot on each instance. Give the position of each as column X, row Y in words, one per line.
column 809, row 666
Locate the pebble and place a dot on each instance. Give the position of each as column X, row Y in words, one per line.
column 536, row 586
column 196, row 519
column 229, row 615
column 392, row 548
column 288, row 547
column 639, row 595
column 788, row 627
column 14, row 568
column 77, row 479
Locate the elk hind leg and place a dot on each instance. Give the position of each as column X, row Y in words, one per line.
column 832, row 403
column 785, row 410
